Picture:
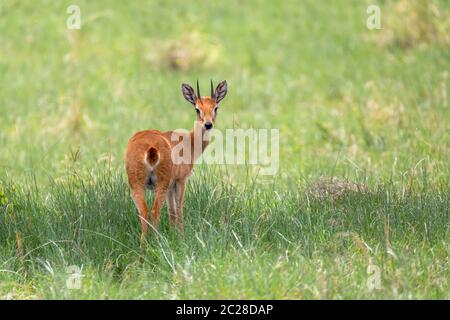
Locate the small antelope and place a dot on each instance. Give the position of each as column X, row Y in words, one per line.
column 149, row 162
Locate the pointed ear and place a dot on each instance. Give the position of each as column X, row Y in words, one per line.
column 221, row 91
column 188, row 93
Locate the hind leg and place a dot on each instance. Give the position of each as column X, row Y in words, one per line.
column 161, row 193
column 138, row 196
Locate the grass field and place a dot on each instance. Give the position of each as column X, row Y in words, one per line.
column 358, row 209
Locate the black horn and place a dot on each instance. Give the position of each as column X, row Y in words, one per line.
column 212, row 90
column 198, row 91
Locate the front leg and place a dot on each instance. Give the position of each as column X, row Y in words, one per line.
column 180, row 187
column 171, row 203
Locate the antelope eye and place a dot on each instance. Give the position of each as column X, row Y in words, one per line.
column 216, row 109
column 198, row 111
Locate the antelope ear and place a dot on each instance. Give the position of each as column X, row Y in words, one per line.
column 188, row 93
column 221, row 91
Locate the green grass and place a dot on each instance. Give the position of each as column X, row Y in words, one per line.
column 265, row 244
column 364, row 106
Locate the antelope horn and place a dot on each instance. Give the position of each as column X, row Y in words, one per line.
column 212, row 90
column 198, row 91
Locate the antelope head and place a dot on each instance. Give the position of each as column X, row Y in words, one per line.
column 206, row 107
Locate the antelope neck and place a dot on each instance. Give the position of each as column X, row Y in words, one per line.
column 198, row 135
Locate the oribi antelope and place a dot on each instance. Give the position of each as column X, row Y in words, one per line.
column 150, row 165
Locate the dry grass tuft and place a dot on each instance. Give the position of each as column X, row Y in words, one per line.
column 192, row 49
column 411, row 23
column 334, row 188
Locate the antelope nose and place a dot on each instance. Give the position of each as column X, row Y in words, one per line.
column 208, row 125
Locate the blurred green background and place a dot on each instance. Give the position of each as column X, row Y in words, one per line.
column 345, row 98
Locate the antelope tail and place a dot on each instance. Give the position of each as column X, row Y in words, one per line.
column 152, row 158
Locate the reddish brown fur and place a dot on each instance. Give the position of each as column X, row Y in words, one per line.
column 149, row 154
